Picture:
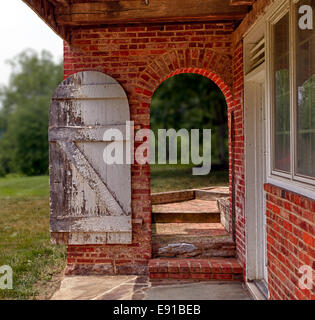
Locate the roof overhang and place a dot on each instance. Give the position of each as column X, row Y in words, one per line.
column 63, row 15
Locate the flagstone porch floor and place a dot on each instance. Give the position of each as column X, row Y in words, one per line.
column 141, row 288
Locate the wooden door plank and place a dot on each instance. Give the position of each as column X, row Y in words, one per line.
column 90, row 91
column 86, row 133
column 87, row 172
column 91, row 224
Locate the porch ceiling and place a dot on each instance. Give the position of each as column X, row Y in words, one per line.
column 62, row 15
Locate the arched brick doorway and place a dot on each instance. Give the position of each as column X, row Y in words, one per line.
column 210, row 64
column 218, row 70
column 189, row 211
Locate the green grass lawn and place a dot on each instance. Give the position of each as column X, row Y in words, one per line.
column 178, row 177
column 24, row 237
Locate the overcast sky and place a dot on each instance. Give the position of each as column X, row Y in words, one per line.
column 21, row 28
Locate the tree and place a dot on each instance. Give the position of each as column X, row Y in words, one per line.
column 24, row 113
column 192, row 101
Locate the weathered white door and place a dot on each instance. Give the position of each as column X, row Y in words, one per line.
column 90, row 200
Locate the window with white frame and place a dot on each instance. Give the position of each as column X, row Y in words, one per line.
column 292, row 81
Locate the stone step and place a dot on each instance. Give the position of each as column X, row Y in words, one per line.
column 172, row 196
column 186, row 217
column 226, row 269
column 192, row 211
column 208, row 194
column 211, row 195
column 197, row 240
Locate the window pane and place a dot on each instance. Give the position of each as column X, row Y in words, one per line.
column 281, row 95
column 305, row 82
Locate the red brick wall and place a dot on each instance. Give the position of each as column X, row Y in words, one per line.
column 290, row 217
column 290, row 242
column 238, row 154
column 140, row 58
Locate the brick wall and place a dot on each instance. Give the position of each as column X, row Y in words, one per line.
column 290, row 217
column 140, row 58
column 290, row 242
column 237, row 154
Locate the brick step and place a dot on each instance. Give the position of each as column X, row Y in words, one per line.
column 227, row 269
column 191, row 211
column 195, row 240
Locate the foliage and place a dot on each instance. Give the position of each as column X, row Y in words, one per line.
column 24, row 113
column 192, row 101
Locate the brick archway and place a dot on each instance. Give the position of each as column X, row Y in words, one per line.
column 211, row 64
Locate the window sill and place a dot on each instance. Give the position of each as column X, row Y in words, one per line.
column 293, row 186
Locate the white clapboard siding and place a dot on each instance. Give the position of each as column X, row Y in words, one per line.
column 90, row 201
